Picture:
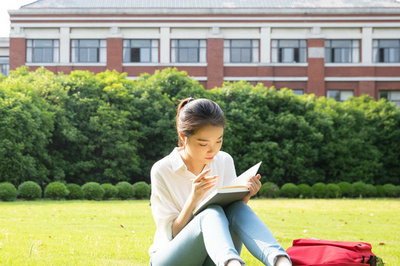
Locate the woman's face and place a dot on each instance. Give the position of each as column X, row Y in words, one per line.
column 204, row 144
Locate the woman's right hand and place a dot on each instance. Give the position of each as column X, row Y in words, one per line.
column 201, row 184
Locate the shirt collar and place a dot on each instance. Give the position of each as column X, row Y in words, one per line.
column 176, row 160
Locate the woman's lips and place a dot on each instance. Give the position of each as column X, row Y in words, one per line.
column 210, row 158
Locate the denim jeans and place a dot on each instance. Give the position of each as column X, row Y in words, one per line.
column 215, row 236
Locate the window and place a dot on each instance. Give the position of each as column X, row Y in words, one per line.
column 4, row 65
column 89, row 51
column 386, row 51
column 289, row 51
column 342, row 51
column 340, row 95
column 188, row 51
column 141, row 51
column 298, row 92
column 241, row 51
column 393, row 96
column 42, row 51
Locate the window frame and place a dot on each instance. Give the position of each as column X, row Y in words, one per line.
column 153, row 47
column 353, row 51
column 389, row 96
column 338, row 97
column 33, row 49
column 4, row 65
column 101, row 51
column 178, row 47
column 254, row 49
column 300, row 49
column 378, row 52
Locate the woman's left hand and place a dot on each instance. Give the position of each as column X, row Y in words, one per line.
column 254, row 184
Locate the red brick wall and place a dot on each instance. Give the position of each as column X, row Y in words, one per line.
column 215, row 63
column 114, row 54
column 316, row 70
column 17, row 52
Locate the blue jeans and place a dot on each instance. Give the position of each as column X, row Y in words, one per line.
column 215, row 236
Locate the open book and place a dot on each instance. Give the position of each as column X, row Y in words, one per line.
column 237, row 190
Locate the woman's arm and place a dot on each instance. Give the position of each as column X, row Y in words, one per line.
column 201, row 184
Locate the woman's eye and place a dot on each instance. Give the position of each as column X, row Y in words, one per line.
column 219, row 141
column 203, row 145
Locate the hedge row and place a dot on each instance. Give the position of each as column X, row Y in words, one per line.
column 30, row 190
column 106, row 128
column 321, row 190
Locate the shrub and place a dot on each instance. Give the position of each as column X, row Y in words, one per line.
column 397, row 194
column 333, row 191
column 75, row 191
column 110, row 191
column 347, row 189
column 125, row 190
column 141, row 190
column 319, row 190
column 380, row 191
column 289, row 190
column 268, row 190
column 92, row 191
column 370, row 191
column 359, row 189
column 29, row 190
column 8, row 192
column 306, row 191
column 56, row 190
column 389, row 190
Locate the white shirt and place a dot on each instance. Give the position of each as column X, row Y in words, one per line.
column 171, row 184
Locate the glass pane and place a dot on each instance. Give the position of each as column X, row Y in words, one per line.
column 287, row 55
column 334, row 94
column 341, row 43
column 383, row 94
column 4, row 60
column 245, row 55
column 145, row 55
column 289, row 43
column 140, row 43
column 389, row 43
column 255, row 55
column 126, row 43
column 227, row 55
column 188, row 43
column 274, row 55
column 394, row 95
column 241, row 43
column 235, row 55
column 103, row 55
column 274, row 43
column 154, row 54
column 88, row 43
column 43, row 43
column 203, row 55
column 298, row 92
column 126, row 54
column 29, row 55
column 303, row 55
column 344, row 95
column 135, row 54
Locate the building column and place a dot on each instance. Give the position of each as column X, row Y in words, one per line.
column 17, row 48
column 366, row 42
column 265, row 45
column 115, row 50
column 215, row 59
column 316, row 67
column 165, row 44
column 65, row 44
column 17, row 52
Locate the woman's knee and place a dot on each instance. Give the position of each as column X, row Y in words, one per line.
column 213, row 210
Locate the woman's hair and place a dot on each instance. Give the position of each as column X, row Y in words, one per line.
column 193, row 114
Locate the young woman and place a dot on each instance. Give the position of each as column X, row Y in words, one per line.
column 189, row 173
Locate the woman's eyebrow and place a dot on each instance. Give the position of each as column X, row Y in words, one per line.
column 208, row 140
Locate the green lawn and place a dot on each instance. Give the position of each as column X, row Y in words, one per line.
column 120, row 232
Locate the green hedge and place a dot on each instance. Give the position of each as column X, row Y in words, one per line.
column 106, row 128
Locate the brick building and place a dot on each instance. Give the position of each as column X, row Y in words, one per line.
column 329, row 48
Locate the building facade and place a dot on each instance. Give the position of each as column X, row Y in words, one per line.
column 4, row 56
column 328, row 49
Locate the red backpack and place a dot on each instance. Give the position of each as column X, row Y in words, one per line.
column 316, row 252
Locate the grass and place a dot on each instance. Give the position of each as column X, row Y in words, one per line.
column 120, row 232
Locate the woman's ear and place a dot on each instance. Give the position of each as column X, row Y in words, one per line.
column 182, row 137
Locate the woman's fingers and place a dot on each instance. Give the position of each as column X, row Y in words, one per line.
column 201, row 176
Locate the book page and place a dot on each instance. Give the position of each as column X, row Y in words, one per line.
column 242, row 179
